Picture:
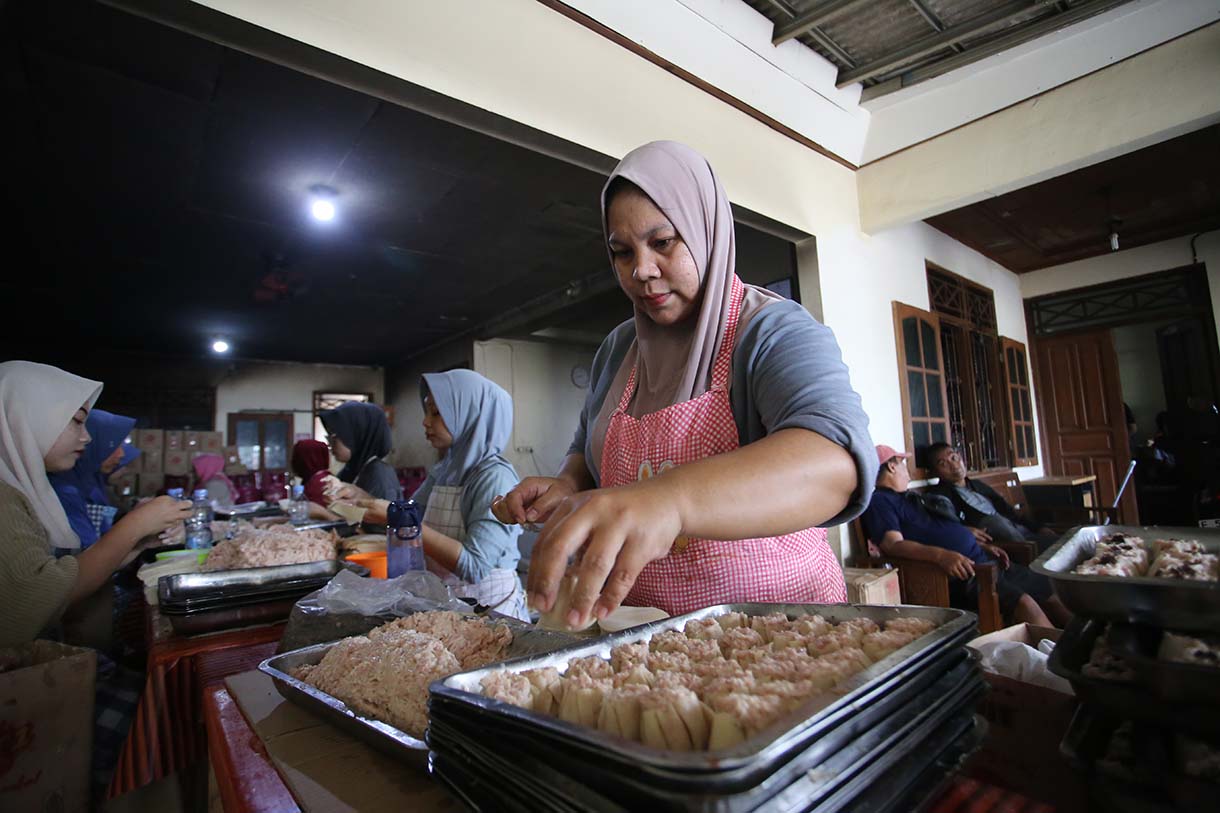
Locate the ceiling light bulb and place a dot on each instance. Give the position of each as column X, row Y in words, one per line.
column 322, row 209
column 220, row 346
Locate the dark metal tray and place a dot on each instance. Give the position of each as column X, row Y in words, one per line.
column 526, row 641
column 1168, row 680
column 810, row 720
column 885, row 698
column 1121, row 698
column 1150, row 783
column 200, row 623
column 185, row 587
column 1173, row 603
column 544, row 766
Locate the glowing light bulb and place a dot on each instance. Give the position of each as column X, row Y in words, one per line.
column 322, row 209
column 220, row 346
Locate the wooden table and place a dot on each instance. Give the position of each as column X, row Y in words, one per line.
column 167, row 733
column 249, row 778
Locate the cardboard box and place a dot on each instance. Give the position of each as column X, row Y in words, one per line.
column 150, row 484
column 1026, row 723
column 177, row 461
column 192, row 441
column 174, row 440
column 46, row 715
column 152, row 461
column 150, row 438
column 233, row 464
column 872, row 586
column 211, row 442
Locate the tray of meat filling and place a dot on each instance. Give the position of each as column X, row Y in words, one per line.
column 1165, row 577
column 734, row 687
column 1173, row 665
column 1089, row 655
column 375, row 686
column 509, row 759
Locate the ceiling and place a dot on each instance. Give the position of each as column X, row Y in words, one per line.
column 891, row 44
column 158, row 189
column 1168, row 190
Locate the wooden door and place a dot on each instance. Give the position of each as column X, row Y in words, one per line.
column 1081, row 401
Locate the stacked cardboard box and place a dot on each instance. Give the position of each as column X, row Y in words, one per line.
column 169, row 452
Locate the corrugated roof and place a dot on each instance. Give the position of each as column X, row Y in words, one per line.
column 888, row 44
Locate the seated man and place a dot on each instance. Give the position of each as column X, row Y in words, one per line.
column 978, row 504
column 900, row 524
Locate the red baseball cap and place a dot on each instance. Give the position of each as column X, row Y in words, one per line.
column 886, row 453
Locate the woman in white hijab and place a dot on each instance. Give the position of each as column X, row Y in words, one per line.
column 720, row 435
column 42, row 430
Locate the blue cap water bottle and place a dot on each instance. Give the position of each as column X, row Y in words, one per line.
column 404, row 540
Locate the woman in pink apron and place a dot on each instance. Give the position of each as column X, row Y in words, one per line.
column 721, row 431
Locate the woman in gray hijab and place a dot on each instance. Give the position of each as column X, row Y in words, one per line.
column 721, row 433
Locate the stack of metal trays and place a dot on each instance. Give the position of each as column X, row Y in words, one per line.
column 1120, row 622
column 882, row 741
column 196, row 603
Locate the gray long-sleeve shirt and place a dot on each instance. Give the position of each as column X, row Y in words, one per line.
column 787, row 372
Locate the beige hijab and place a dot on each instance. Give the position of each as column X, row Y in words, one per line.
column 675, row 362
column 36, row 403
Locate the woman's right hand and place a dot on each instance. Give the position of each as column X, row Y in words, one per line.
column 157, row 515
column 532, row 500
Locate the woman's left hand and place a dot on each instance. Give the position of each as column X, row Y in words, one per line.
column 616, row 531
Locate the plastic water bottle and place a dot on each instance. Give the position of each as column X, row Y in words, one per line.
column 404, row 540
column 176, row 493
column 199, row 523
column 298, row 509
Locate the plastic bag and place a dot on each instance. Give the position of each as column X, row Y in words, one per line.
column 1022, row 662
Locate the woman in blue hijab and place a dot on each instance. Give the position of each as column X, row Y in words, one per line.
column 82, row 489
column 469, row 420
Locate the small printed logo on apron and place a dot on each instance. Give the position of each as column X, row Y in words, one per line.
column 645, row 472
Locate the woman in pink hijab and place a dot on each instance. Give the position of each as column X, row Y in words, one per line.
column 210, row 474
column 720, row 434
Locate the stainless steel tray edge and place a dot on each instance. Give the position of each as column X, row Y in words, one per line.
column 784, row 734
column 373, row 732
column 184, row 586
column 1180, row 604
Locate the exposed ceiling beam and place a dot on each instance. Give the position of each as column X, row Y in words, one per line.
column 824, row 13
column 817, row 36
column 936, row 42
column 932, row 19
column 1010, row 39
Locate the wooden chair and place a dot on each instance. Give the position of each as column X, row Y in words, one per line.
column 1008, row 485
column 926, row 584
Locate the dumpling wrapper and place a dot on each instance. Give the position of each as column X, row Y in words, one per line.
column 627, row 617
column 352, row 513
column 556, row 618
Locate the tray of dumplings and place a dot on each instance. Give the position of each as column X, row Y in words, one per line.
column 731, row 689
column 1159, row 576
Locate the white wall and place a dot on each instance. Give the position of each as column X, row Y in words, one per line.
column 402, row 390
column 289, row 387
column 1133, row 262
column 546, row 404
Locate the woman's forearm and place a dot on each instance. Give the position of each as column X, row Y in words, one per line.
column 444, row 550
column 97, row 563
column 575, row 472
column 788, row 481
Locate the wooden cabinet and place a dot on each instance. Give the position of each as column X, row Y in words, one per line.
column 1062, row 502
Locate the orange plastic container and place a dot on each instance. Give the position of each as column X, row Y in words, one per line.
column 375, row 562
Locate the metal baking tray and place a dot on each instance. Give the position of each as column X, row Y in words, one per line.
column 1168, row 680
column 526, row 642
column 1151, row 781
column 249, row 510
column 1174, row 603
column 228, row 602
column 1124, row 699
column 245, row 581
column 813, row 718
column 906, row 686
column 245, row 615
column 544, row 766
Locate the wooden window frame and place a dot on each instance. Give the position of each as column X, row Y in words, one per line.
column 262, row 418
column 315, row 423
column 1024, row 392
column 901, row 312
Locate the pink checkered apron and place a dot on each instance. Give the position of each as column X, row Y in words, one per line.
column 796, row 568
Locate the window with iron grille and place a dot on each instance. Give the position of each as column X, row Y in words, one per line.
column 332, row 400
column 986, row 397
